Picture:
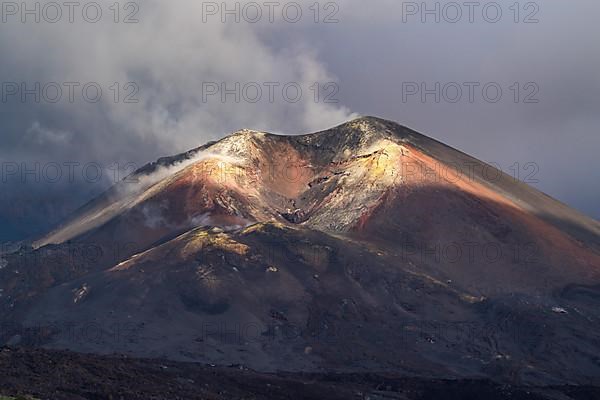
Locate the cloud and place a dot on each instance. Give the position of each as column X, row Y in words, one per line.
column 44, row 136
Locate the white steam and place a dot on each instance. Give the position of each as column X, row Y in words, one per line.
column 171, row 55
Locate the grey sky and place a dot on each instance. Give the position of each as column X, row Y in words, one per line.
column 180, row 49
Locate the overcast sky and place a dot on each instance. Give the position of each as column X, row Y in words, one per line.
column 168, row 72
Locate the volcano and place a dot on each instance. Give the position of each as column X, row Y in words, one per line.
column 365, row 247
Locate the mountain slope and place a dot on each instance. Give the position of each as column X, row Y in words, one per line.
column 364, row 247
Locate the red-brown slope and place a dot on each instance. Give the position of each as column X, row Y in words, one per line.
column 457, row 222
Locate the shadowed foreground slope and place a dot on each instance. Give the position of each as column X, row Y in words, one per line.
column 81, row 376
